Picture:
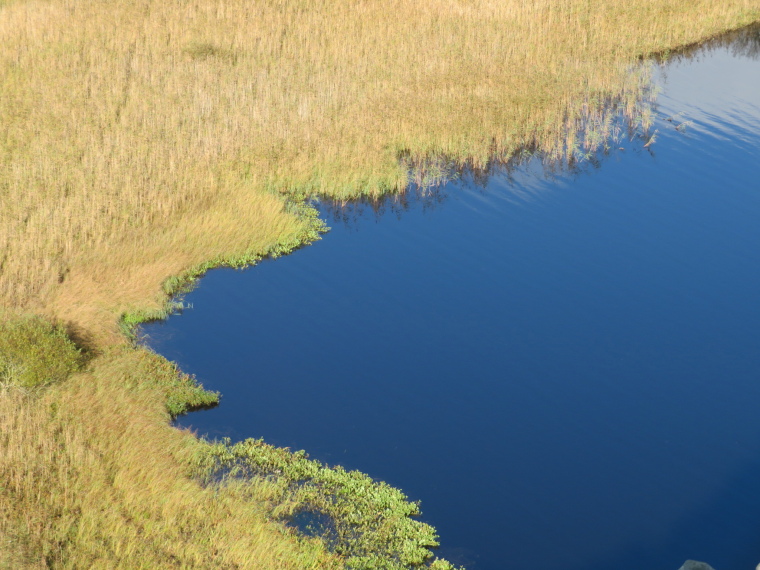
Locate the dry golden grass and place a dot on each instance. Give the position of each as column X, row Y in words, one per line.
column 70, row 497
column 139, row 139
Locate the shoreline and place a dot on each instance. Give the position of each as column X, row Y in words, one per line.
column 179, row 389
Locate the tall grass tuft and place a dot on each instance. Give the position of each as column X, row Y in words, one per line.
column 34, row 353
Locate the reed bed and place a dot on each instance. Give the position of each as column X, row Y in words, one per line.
column 140, row 140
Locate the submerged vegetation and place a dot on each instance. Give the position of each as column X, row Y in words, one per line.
column 93, row 475
column 143, row 143
column 367, row 523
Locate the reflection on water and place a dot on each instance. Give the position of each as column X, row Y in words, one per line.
column 623, row 118
column 563, row 369
column 593, row 133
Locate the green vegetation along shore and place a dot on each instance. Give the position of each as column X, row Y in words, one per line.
column 143, row 142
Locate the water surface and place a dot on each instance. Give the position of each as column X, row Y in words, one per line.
column 565, row 370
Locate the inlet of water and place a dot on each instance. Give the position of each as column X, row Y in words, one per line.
column 564, row 370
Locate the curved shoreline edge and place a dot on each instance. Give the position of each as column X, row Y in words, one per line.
column 240, row 462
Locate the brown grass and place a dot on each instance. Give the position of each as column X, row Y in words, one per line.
column 139, row 139
column 72, row 498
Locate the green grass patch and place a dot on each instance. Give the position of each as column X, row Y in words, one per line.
column 370, row 524
column 182, row 392
column 34, row 353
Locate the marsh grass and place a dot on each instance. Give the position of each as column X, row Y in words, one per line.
column 140, row 138
column 144, row 142
column 370, row 524
column 34, row 353
column 93, row 476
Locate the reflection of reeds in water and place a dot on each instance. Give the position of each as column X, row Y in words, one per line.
column 585, row 134
column 744, row 42
column 141, row 137
column 585, row 128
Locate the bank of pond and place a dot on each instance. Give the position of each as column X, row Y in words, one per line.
column 561, row 364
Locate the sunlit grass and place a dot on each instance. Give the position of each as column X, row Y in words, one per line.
column 93, row 476
column 142, row 140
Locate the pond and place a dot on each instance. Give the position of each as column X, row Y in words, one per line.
column 564, row 368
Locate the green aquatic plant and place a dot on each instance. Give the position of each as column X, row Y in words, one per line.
column 369, row 523
column 132, row 319
column 182, row 392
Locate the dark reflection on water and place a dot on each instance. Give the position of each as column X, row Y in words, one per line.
column 516, row 172
column 566, row 371
column 744, row 43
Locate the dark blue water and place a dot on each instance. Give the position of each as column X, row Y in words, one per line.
column 565, row 371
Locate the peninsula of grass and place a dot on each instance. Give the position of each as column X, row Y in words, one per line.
column 143, row 143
